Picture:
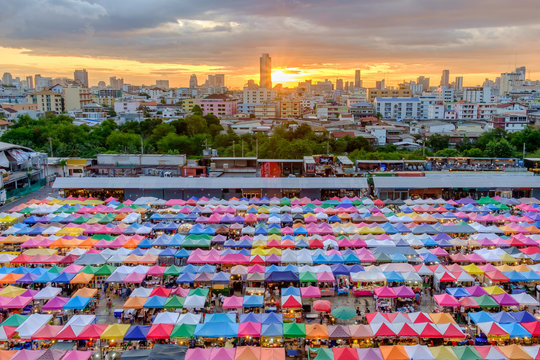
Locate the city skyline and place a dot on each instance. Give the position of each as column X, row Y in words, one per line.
column 306, row 40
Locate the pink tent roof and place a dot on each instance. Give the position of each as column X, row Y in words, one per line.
column 249, row 329
column 77, row 355
column 222, row 353
column 446, row 300
column 310, row 292
column 384, row 292
column 134, row 278
column 403, row 291
column 233, row 302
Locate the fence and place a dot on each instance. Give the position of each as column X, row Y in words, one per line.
column 25, row 190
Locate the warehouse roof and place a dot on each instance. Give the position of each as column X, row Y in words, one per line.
column 487, row 180
column 154, row 182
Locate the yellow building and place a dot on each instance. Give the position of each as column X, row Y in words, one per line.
column 47, row 101
column 105, row 101
column 188, row 104
column 76, row 97
column 290, row 109
column 374, row 93
column 269, row 110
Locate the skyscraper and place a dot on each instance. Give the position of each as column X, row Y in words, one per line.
column 193, row 81
column 357, row 79
column 424, row 81
column 219, row 80
column 522, row 70
column 266, row 71
column 30, row 82
column 339, row 84
column 458, row 83
column 7, row 79
column 81, row 76
column 445, row 78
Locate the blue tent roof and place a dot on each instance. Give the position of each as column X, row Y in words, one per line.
column 523, row 316
column 291, row 290
column 137, row 333
column 514, row 276
column 182, row 253
column 77, row 302
column 458, row 292
column 503, row 317
column 220, row 317
column 45, row 278
column 272, row 330
column 251, row 317
column 155, row 302
column 63, row 278
column 515, row 330
column 272, row 318
column 393, row 276
column 253, row 301
column 186, row 278
column 480, row 316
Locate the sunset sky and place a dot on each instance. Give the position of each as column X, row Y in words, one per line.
column 142, row 40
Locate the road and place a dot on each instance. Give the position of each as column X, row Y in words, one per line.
column 40, row 194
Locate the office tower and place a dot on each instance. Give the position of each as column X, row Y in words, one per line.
column 458, row 83
column 339, row 84
column 211, row 81
column 193, row 81
column 445, row 78
column 116, row 84
column 265, row 71
column 522, row 70
column 162, row 84
column 30, row 82
column 357, row 79
column 380, row 85
column 424, row 81
column 251, row 85
column 219, row 80
column 81, row 76
column 36, row 80
column 7, row 79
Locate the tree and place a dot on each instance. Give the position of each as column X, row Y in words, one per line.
column 111, row 112
column 172, row 141
column 123, row 143
column 447, row 153
column 474, row 152
column 197, row 110
column 196, row 124
column 500, row 148
column 438, row 142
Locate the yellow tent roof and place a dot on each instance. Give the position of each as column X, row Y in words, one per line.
column 115, row 331
column 442, row 353
column 473, row 269
column 12, row 291
column 507, row 258
column 494, row 290
column 46, row 252
column 504, row 268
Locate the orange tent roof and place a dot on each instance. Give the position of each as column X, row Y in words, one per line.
column 86, row 292
column 10, row 278
column 248, row 353
column 316, row 331
column 82, row 278
column 394, row 352
column 134, row 302
column 442, row 318
column 272, row 354
column 514, row 352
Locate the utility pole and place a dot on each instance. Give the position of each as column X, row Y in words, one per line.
column 242, row 147
column 257, row 148
column 50, row 144
column 233, row 152
column 523, row 151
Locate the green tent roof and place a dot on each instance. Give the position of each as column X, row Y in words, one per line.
column 292, row 330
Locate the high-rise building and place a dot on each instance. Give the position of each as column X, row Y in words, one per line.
column 357, row 79
column 36, row 80
column 424, row 81
column 193, row 81
column 81, row 76
column 29, row 82
column 380, row 85
column 445, row 78
column 162, row 84
column 116, row 84
column 458, row 83
column 339, row 84
column 7, row 79
column 219, row 80
column 522, row 70
column 265, row 71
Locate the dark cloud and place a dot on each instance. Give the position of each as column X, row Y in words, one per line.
column 232, row 33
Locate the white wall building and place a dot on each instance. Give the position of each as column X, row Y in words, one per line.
column 397, row 108
column 258, row 96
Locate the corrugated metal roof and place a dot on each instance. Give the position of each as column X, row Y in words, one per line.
column 151, row 182
column 487, row 180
